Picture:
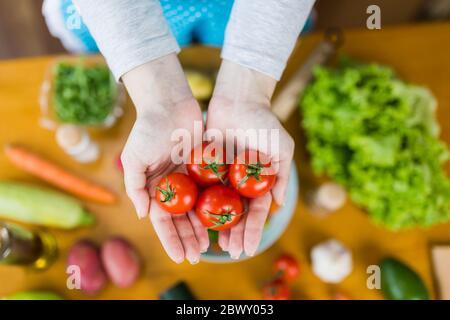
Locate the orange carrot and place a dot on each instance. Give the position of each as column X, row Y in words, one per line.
column 53, row 174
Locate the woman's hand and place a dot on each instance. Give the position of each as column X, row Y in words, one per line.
column 164, row 103
column 241, row 101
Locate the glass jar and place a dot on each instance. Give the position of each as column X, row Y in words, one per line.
column 49, row 119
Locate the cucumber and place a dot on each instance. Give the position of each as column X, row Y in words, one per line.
column 33, row 295
column 399, row 282
column 41, row 206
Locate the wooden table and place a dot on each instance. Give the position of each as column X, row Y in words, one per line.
column 419, row 53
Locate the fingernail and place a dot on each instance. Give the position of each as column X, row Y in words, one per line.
column 234, row 257
column 194, row 262
column 140, row 214
column 251, row 253
column 204, row 250
column 178, row 261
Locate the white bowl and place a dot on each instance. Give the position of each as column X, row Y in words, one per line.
column 272, row 231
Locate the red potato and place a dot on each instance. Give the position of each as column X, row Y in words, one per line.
column 85, row 255
column 121, row 262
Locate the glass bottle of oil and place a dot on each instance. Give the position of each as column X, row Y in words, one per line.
column 23, row 247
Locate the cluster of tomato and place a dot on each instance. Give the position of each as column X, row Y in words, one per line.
column 286, row 270
column 219, row 204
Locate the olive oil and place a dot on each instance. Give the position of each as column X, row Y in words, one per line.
column 22, row 247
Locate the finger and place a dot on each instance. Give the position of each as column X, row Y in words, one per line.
column 224, row 239
column 167, row 232
column 155, row 177
column 256, row 218
column 136, row 187
column 187, row 236
column 279, row 190
column 236, row 244
column 200, row 231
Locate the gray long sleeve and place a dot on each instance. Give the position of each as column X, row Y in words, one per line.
column 129, row 33
column 260, row 34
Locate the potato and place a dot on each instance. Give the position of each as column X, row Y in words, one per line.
column 85, row 255
column 121, row 262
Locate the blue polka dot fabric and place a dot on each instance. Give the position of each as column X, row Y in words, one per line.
column 191, row 21
column 67, row 9
column 202, row 21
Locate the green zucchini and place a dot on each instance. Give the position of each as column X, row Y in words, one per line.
column 33, row 295
column 41, row 206
column 399, row 282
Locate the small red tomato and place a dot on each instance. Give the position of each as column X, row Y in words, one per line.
column 250, row 174
column 176, row 193
column 276, row 290
column 286, row 268
column 219, row 207
column 207, row 164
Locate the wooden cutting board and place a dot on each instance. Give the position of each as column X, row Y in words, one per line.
column 420, row 54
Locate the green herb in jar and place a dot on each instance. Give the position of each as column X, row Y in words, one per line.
column 83, row 94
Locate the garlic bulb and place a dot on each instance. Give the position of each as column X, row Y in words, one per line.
column 75, row 141
column 327, row 198
column 331, row 261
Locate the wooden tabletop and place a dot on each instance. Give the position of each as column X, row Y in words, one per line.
column 419, row 53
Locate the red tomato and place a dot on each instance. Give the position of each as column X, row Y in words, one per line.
column 276, row 290
column 286, row 267
column 206, row 165
column 176, row 193
column 250, row 175
column 219, row 207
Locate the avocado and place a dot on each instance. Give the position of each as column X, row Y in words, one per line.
column 399, row 282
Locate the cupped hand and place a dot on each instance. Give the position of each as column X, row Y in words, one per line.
column 241, row 101
column 164, row 104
